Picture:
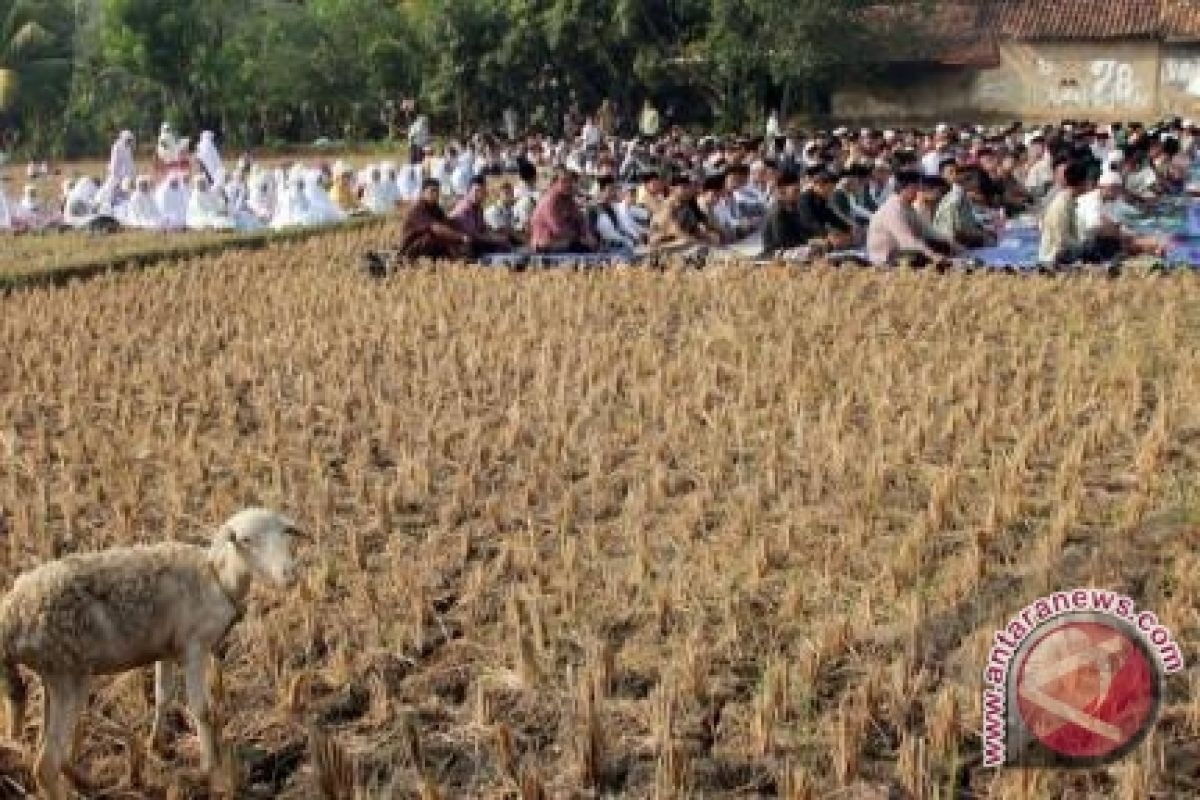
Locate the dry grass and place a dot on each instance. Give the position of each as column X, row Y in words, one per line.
column 734, row 533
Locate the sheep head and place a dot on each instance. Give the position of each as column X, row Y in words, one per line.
column 264, row 540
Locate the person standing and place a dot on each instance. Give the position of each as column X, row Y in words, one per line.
column 418, row 139
column 648, row 124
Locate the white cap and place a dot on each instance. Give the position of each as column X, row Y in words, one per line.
column 840, row 132
column 1110, row 179
column 942, row 127
column 889, row 135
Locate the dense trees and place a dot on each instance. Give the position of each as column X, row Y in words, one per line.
column 260, row 71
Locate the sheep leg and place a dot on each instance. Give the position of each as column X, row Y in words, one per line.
column 164, row 675
column 64, row 702
column 197, row 693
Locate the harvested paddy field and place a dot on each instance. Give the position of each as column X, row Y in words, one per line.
column 732, row 533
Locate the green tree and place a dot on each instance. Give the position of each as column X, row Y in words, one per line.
column 35, row 60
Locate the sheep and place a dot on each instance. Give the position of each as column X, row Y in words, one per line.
column 112, row 611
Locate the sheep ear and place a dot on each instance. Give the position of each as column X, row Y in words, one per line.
column 230, row 536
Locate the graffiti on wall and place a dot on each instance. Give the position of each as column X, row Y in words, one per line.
column 1182, row 75
column 1099, row 83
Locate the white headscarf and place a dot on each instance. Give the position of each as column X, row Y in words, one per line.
column 205, row 209
column 142, row 211
column 409, row 185
column 206, row 152
column 376, row 195
column 261, row 201
column 172, row 201
column 79, row 209
column 320, row 205
column 292, row 209
column 120, row 161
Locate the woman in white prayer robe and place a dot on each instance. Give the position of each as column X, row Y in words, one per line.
column 79, row 209
column 261, row 202
column 292, row 210
column 322, row 209
column 172, row 201
column 375, row 195
column 141, row 211
column 210, row 159
column 120, row 162
column 409, row 187
column 206, row 209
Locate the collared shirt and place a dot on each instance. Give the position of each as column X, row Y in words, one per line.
column 893, row 229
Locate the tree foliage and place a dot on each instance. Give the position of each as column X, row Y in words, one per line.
column 260, row 71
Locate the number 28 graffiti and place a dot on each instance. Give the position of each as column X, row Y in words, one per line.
column 1102, row 83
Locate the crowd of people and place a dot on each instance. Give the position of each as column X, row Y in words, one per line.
column 191, row 189
column 887, row 197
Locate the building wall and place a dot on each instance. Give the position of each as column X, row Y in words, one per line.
column 1180, row 80
column 1040, row 80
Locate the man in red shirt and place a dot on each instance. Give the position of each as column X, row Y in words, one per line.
column 559, row 224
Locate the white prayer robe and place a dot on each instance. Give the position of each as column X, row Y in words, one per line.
column 79, row 209
column 207, row 154
column 324, row 211
column 141, row 211
column 172, row 201
column 205, row 211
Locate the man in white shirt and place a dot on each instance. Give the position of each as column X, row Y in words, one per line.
column 1098, row 220
column 1040, row 175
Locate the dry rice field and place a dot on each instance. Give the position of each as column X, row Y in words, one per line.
column 733, row 533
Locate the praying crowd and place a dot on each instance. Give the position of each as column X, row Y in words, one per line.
column 885, row 197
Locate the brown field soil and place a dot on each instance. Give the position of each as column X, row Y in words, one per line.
column 736, row 533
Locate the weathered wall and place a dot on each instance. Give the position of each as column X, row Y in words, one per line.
column 1180, row 80
column 1113, row 80
column 1041, row 80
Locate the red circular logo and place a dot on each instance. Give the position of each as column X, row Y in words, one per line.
column 1087, row 688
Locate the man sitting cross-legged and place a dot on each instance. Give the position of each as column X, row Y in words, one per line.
column 428, row 232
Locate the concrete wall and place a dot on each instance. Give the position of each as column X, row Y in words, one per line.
column 1039, row 80
column 1180, row 80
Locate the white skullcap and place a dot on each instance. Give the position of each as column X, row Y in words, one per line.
column 1110, row 179
column 942, row 127
column 889, row 135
